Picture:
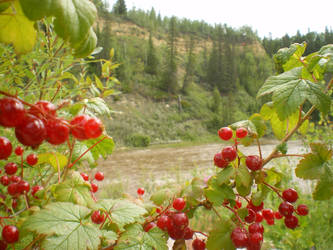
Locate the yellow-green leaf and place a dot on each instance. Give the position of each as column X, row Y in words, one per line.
column 56, row 160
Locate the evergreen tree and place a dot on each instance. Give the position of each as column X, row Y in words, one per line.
column 120, row 8
column 190, row 64
column 152, row 60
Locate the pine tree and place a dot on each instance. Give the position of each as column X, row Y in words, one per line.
column 152, row 60
column 120, row 8
column 189, row 68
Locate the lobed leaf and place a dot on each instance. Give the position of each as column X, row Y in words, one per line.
column 324, row 188
column 219, row 238
column 217, row 194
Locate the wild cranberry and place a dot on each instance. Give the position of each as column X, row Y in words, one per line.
column 176, row 233
column 3, row 245
column 278, row 215
column 93, row 127
column 241, row 133
column 259, row 217
column 291, row 222
column 179, row 204
column 31, row 131
column 99, row 176
column 198, row 244
column 12, row 189
column 10, row 234
column 11, row 112
column 15, row 179
column 219, row 161
column 23, row 186
column 255, row 208
column 238, row 204
column 94, row 187
column 268, row 214
column 35, row 190
column 14, row 204
column 225, row 133
column 255, row 238
column 11, row 168
column 97, row 217
column 188, row 233
column 302, row 209
column 43, row 108
column 149, row 226
column 256, row 228
column 290, row 195
column 32, row 159
column 180, row 220
column 229, row 153
column 163, row 222
column 84, row 176
column 77, row 127
column 19, row 150
column 140, row 191
column 5, row 148
column 251, row 217
column 286, row 209
column 253, row 162
column 4, row 180
column 57, row 131
column 271, row 221
column 239, row 237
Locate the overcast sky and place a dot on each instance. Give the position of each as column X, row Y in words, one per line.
column 264, row 16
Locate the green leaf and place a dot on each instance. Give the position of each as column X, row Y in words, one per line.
column 66, row 225
column 98, row 83
column 102, row 149
column 135, row 238
column 87, row 46
column 4, row 6
column 259, row 123
column 219, row 238
column 73, row 189
column 17, row 29
column 54, row 159
column 290, row 90
column 223, row 177
column 81, row 148
column 251, row 128
column 122, row 212
column 324, row 188
column 260, row 195
column 109, row 236
column 97, row 106
column 243, row 176
column 217, row 194
column 312, row 166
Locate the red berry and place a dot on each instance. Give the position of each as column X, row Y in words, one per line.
column 180, row 220
column 149, row 226
column 159, row 210
column 268, row 214
column 93, row 127
column 188, row 233
column 290, row 195
column 15, row 179
column 179, row 204
column 23, row 186
column 84, row 176
column 14, row 204
column 77, row 128
column 176, row 233
column 19, row 150
column 198, row 244
column 229, row 153
column 270, row 221
column 239, row 237
column 255, row 238
column 99, row 176
column 259, row 217
column 278, row 215
column 241, row 133
column 302, row 209
column 225, row 133
column 238, row 204
column 219, row 161
column 97, row 217
column 57, row 131
column 94, row 187
column 251, row 216
column 3, row 245
column 35, row 189
column 12, row 189
column 5, row 148
column 163, row 222
column 43, row 108
column 11, row 112
column 256, row 228
column 291, row 222
column 140, row 191
column 4, row 180
column 10, row 234
column 253, row 162
column 31, row 131
column 32, row 159
column 11, row 168
column 286, row 209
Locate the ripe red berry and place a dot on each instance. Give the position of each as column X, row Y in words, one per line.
column 255, row 239
column 198, row 244
column 219, row 161
column 188, row 233
column 19, row 150
column 238, row 204
column 43, row 108
column 57, row 131
column 302, row 209
column 77, row 127
column 180, row 220
column 229, row 153
column 268, row 214
column 291, row 222
column 99, row 176
column 270, row 221
column 97, row 217
column 31, row 131
column 251, row 216
column 93, row 127
column 32, row 159
column 94, row 187
column 5, row 148
column 179, row 204
column 140, row 191
column 10, row 234
column 176, row 233
column 253, row 162
column 149, row 226
column 11, row 168
column 286, row 209
column 84, row 176
column 225, row 133
column 239, row 237
column 14, row 205
column 35, row 189
column 15, row 179
column 278, row 215
column 290, row 195
column 3, row 245
column 12, row 189
column 163, row 222
column 11, row 112
column 4, row 180
column 256, row 228
column 241, row 133
column 23, row 186
column 259, row 217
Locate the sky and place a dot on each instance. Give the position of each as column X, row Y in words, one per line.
column 264, row 16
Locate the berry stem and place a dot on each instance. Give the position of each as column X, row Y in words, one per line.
column 259, row 148
column 277, row 191
column 201, row 233
column 236, row 214
column 216, row 212
column 22, row 166
column 26, row 201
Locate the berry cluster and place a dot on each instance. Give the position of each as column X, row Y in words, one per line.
column 99, row 176
column 175, row 222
